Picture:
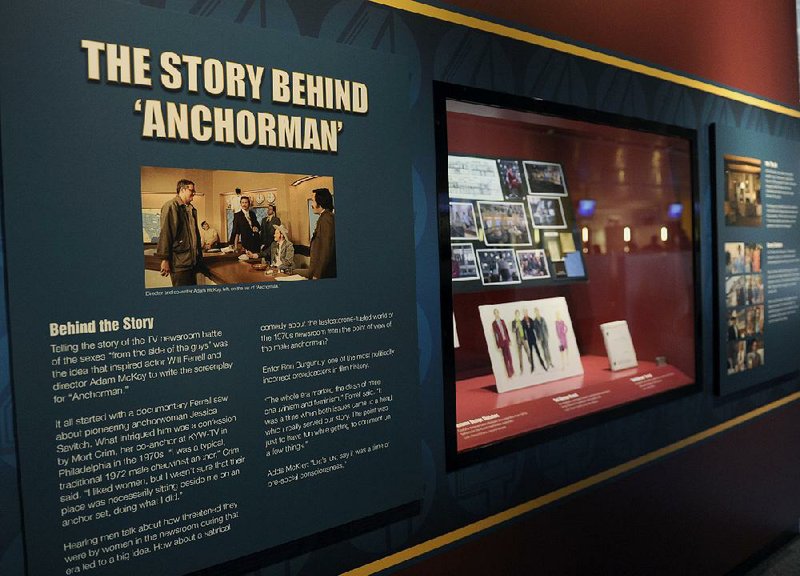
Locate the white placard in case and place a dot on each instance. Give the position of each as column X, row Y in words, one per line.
column 619, row 345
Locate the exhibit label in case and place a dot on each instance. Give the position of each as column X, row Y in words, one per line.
column 619, row 345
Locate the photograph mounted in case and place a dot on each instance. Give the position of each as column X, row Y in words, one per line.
column 504, row 224
column 463, row 225
column 533, row 264
column 464, row 265
column 545, row 178
column 498, row 266
column 511, row 180
column 547, row 212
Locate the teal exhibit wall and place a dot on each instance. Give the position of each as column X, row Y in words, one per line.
column 388, row 158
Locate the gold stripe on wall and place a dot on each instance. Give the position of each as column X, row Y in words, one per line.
column 560, row 46
column 512, row 513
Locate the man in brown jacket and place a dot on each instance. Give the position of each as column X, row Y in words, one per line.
column 179, row 244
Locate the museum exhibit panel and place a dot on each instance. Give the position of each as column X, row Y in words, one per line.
column 757, row 270
column 567, row 262
column 352, row 286
column 172, row 423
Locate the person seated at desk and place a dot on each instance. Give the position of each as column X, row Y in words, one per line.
column 209, row 236
column 282, row 250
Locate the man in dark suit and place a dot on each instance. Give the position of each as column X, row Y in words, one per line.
column 179, row 244
column 323, row 243
column 268, row 225
column 246, row 229
column 543, row 336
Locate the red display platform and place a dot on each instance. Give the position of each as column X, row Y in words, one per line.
column 484, row 416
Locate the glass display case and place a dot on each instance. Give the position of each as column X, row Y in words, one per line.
column 567, row 266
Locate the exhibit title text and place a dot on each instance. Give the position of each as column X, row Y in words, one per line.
column 184, row 122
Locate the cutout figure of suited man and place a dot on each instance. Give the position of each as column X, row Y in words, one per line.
column 530, row 335
column 503, row 341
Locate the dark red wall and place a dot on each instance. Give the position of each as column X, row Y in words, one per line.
column 750, row 45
